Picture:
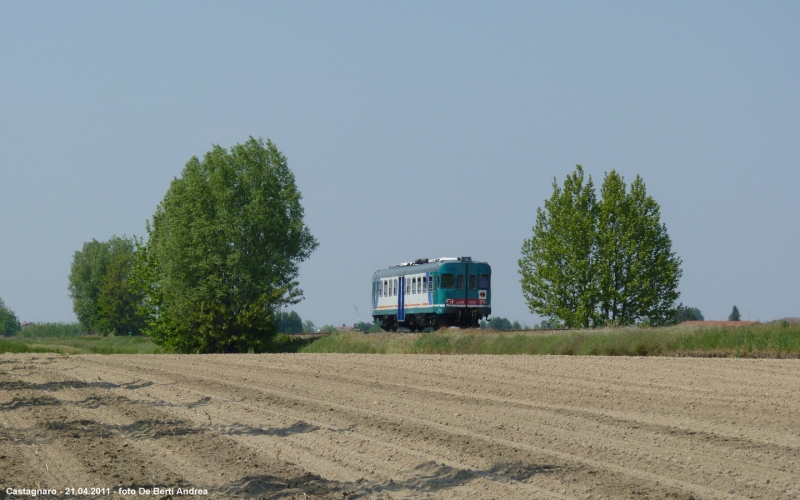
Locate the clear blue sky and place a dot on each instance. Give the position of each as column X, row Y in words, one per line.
column 415, row 129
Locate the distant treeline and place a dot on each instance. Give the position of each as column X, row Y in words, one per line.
column 51, row 330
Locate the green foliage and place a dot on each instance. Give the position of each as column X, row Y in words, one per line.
column 309, row 327
column 82, row 345
column 498, row 323
column 638, row 272
column 557, row 264
column 592, row 263
column 9, row 324
column 774, row 341
column 223, row 252
column 684, row 313
column 289, row 322
column 734, row 315
column 328, row 329
column 102, row 298
column 41, row 330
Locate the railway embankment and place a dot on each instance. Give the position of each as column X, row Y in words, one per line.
column 777, row 339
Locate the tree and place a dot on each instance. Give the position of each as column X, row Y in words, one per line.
column 309, row 326
column 223, row 252
column 592, row 263
column 734, row 315
column 102, row 298
column 683, row 313
column 9, row 324
column 289, row 322
column 637, row 272
column 557, row 264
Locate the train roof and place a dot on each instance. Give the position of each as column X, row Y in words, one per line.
column 422, row 266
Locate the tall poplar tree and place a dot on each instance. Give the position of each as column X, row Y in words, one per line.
column 600, row 262
column 558, row 262
column 223, row 252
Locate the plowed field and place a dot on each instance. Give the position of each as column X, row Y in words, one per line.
column 401, row 426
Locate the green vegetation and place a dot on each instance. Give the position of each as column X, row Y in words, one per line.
column 289, row 322
column 734, row 315
column 498, row 323
column 81, row 345
column 223, row 252
column 39, row 330
column 606, row 262
column 9, row 324
column 767, row 340
column 102, row 297
column 684, row 313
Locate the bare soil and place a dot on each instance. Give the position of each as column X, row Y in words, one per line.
column 400, row 426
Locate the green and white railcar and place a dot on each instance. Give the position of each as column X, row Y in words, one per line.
column 450, row 291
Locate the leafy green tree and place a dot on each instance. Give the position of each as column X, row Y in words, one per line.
column 558, row 261
column 637, row 272
column 102, row 298
column 684, row 313
column 9, row 324
column 734, row 315
column 498, row 323
column 289, row 322
column 591, row 263
column 309, row 327
column 223, row 252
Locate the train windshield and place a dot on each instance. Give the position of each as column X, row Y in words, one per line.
column 448, row 281
column 484, row 281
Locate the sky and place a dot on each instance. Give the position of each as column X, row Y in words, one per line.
column 414, row 129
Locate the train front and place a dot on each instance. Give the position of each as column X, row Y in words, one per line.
column 465, row 291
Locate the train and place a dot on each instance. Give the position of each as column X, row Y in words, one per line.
column 435, row 293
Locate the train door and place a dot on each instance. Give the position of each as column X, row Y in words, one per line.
column 401, row 298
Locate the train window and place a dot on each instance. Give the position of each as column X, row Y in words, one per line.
column 473, row 281
column 448, row 280
column 394, row 288
column 484, row 281
column 408, row 287
column 424, row 284
column 460, row 281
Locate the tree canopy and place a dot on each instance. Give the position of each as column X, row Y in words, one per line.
column 102, row 297
column 9, row 324
column 734, row 315
column 597, row 262
column 684, row 313
column 289, row 322
column 223, row 251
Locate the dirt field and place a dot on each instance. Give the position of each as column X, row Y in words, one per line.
column 405, row 426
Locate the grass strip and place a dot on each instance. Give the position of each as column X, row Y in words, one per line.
column 775, row 340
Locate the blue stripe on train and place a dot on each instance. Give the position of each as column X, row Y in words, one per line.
column 401, row 302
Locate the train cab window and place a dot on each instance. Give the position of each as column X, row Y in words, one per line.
column 484, row 280
column 448, row 281
column 460, row 281
column 473, row 281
